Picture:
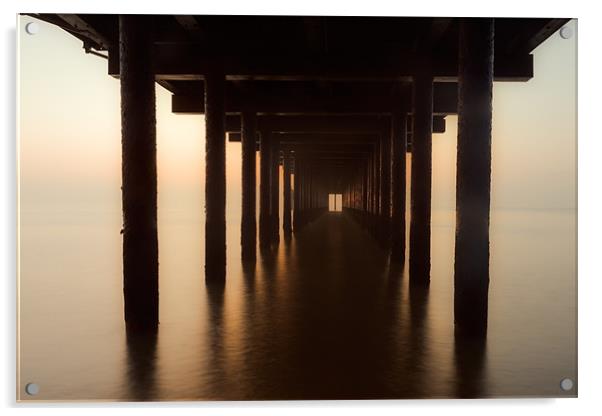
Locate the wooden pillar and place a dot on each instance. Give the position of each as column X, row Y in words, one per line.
column 376, row 189
column 139, row 173
column 264, row 188
column 420, row 223
column 274, row 193
column 473, row 180
column 309, row 182
column 296, row 194
column 356, row 189
column 370, row 189
column 300, row 169
column 304, row 188
column 248, row 234
column 365, row 191
column 385, row 187
column 215, row 178
column 286, row 194
column 398, row 179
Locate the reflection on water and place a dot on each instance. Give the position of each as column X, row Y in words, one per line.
column 141, row 362
column 469, row 359
column 322, row 316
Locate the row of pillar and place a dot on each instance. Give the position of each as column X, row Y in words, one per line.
column 382, row 180
column 311, row 193
column 378, row 189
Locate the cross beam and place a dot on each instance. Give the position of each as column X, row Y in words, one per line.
column 309, row 98
column 302, row 128
column 190, row 61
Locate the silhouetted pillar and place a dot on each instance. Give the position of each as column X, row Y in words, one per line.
column 473, row 180
column 398, row 179
column 296, row 194
column 264, row 188
column 286, row 194
column 378, row 177
column 139, row 173
column 215, row 178
column 308, row 182
column 370, row 189
column 376, row 188
column 248, row 235
column 365, row 192
column 274, row 194
column 300, row 169
column 305, row 194
column 420, row 222
column 385, row 187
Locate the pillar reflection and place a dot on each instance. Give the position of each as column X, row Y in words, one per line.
column 141, row 363
column 218, row 379
column 469, row 360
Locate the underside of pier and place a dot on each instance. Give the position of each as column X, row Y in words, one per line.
column 335, row 103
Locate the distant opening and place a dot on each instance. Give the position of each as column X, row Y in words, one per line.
column 335, row 202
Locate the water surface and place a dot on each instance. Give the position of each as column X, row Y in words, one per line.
column 322, row 316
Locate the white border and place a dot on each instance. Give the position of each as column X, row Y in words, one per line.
column 590, row 232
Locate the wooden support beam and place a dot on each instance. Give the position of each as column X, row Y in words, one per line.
column 79, row 26
column 190, row 25
column 377, row 188
column 264, row 188
column 182, row 61
column 323, row 128
column 432, row 33
column 364, row 147
column 296, row 194
column 473, row 183
column 315, row 34
column 524, row 35
column 369, row 184
column 439, row 124
column 139, row 175
column 365, row 191
column 398, row 191
column 357, row 124
column 547, row 28
column 296, row 98
column 248, row 222
column 337, row 157
column 274, row 191
column 420, row 224
column 289, row 139
column 323, row 124
column 215, row 179
column 385, row 187
column 286, row 197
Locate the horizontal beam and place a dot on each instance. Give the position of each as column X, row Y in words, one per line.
column 81, row 27
column 524, row 35
column 323, row 128
column 190, row 61
column 329, row 148
column 356, row 124
column 308, row 98
column 340, row 138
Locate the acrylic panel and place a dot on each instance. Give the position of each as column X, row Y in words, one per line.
column 296, row 207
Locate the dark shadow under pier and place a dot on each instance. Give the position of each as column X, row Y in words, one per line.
column 325, row 316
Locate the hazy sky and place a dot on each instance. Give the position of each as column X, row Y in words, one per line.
column 70, row 151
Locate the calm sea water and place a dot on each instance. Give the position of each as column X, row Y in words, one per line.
column 322, row 316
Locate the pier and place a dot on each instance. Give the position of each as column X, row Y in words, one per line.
column 334, row 104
